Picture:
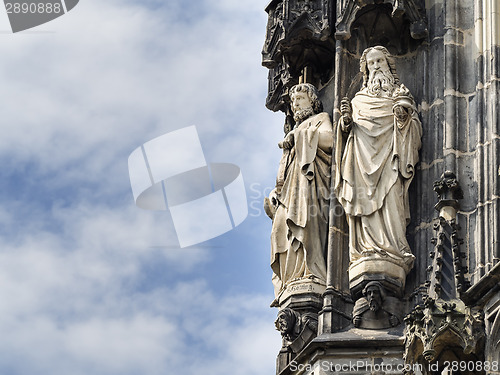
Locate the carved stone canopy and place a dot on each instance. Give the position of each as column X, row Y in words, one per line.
column 399, row 8
column 298, row 29
column 299, row 46
column 400, row 26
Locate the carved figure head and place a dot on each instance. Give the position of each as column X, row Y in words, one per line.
column 304, row 101
column 379, row 70
column 286, row 321
column 375, row 294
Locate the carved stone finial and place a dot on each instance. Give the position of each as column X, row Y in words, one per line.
column 449, row 192
column 447, row 188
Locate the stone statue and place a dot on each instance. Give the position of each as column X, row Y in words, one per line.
column 376, row 310
column 296, row 330
column 374, row 169
column 300, row 202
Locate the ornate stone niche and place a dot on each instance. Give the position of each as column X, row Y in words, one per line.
column 376, row 154
column 399, row 25
column 299, row 47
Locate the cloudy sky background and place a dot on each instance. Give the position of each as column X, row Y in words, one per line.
column 89, row 283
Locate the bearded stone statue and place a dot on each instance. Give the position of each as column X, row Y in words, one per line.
column 299, row 204
column 376, row 152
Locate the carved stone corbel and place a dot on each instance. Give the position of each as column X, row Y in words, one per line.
column 376, row 310
column 297, row 330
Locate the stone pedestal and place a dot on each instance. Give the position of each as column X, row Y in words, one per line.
column 302, row 294
column 299, row 305
column 391, row 275
column 353, row 352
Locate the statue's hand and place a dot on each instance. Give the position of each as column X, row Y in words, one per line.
column 346, row 111
column 271, row 203
column 401, row 114
column 288, row 142
column 356, row 321
column 273, row 198
column 394, row 320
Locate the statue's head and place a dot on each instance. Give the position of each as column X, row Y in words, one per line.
column 374, row 293
column 304, row 101
column 379, row 71
column 285, row 322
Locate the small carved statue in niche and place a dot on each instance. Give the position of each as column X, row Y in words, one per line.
column 374, row 169
column 296, row 330
column 299, row 204
column 376, row 310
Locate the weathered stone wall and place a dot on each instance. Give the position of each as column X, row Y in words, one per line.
column 483, row 117
column 461, row 109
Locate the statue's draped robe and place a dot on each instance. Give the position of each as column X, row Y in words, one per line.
column 373, row 174
column 300, row 225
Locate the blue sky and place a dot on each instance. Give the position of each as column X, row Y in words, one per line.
column 89, row 283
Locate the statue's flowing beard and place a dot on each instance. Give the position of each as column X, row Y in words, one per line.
column 374, row 305
column 381, row 81
column 283, row 327
column 302, row 115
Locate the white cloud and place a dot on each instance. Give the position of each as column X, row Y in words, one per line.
column 82, row 309
column 90, row 284
column 116, row 74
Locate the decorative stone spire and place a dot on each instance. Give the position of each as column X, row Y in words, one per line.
column 444, row 321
